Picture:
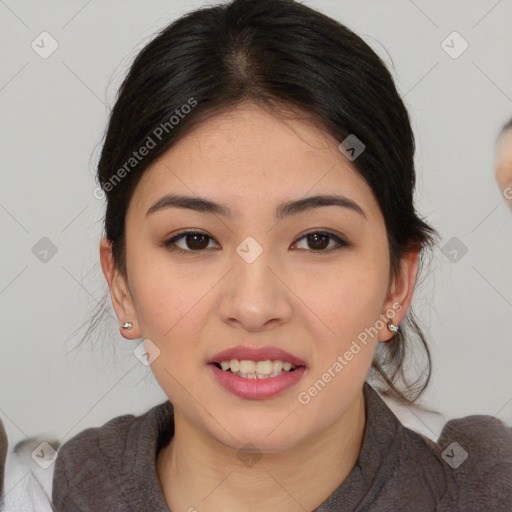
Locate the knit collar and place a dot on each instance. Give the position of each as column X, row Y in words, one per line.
column 135, row 471
column 382, row 442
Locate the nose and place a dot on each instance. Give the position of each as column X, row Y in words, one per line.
column 254, row 295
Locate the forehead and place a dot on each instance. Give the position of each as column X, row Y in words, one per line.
column 248, row 157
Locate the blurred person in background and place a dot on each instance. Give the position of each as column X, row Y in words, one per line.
column 503, row 162
column 3, row 452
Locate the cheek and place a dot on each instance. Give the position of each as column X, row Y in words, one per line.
column 349, row 304
column 172, row 314
column 171, row 302
column 345, row 297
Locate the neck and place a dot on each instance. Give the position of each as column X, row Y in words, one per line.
column 197, row 472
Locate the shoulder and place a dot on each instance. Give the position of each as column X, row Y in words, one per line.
column 86, row 444
column 477, row 451
column 95, row 463
column 483, row 441
column 465, row 465
column 465, row 462
column 79, row 461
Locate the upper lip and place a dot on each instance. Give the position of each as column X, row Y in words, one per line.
column 256, row 354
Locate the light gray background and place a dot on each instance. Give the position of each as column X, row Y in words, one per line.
column 54, row 112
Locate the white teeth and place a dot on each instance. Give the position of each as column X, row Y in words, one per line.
column 264, row 367
column 256, row 369
column 277, row 366
column 247, row 366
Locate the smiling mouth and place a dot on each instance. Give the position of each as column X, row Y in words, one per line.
column 248, row 369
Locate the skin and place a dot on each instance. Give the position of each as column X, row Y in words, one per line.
column 503, row 165
column 312, row 304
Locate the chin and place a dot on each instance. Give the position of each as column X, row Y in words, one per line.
column 267, row 438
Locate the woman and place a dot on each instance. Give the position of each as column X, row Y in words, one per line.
column 261, row 238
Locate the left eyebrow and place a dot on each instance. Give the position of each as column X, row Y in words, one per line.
column 294, row 207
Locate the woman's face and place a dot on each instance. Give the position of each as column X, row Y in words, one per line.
column 253, row 279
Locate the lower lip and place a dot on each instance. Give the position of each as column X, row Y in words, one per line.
column 257, row 389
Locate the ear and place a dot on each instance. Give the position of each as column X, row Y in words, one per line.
column 400, row 293
column 119, row 292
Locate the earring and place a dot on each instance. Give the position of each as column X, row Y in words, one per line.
column 126, row 325
column 393, row 328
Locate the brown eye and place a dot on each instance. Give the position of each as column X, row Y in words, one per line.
column 193, row 242
column 318, row 241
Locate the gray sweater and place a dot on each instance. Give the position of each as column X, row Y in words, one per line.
column 113, row 468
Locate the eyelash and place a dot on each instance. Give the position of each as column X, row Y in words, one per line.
column 168, row 243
